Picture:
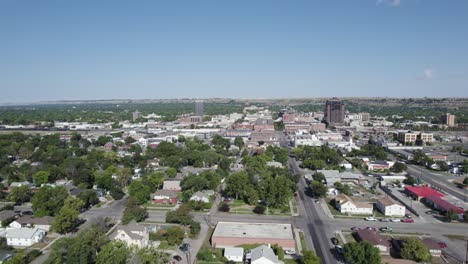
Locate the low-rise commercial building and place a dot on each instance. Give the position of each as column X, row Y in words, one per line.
column 232, row 234
column 389, row 207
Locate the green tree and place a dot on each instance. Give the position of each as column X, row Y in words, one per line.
column 133, row 212
column 79, row 249
column 174, row 235
column 465, row 216
column 451, row 215
column 88, row 197
column 414, row 249
column 139, row 191
column 171, row 172
column 465, row 182
column 150, row 255
column 239, row 142
column 442, row 165
column 309, row 257
column 361, row 253
column 115, row 252
column 399, row 167
column 278, row 251
column 236, row 185
column 48, row 200
column 41, row 177
column 68, row 216
column 317, row 189
column 20, row 194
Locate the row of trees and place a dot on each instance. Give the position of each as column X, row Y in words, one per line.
column 259, row 182
column 107, row 113
column 317, row 158
column 363, row 252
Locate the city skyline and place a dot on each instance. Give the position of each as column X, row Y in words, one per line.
column 267, row 49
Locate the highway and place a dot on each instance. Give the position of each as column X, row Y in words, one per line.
column 436, row 180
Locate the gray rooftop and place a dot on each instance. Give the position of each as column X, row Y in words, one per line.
column 234, row 251
column 253, row 230
column 24, row 232
column 266, row 252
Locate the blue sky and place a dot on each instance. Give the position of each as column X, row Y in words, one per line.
column 55, row 50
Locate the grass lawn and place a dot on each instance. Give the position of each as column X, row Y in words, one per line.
column 349, row 237
column 165, row 246
column 207, row 254
column 303, row 242
column 294, row 204
column 333, row 210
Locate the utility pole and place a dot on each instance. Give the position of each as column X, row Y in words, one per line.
column 466, row 254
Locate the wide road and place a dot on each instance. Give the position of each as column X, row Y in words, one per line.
column 314, row 223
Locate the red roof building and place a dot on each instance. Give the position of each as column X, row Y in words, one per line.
column 421, row 192
column 443, row 205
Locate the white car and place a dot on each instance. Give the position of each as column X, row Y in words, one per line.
column 290, row 252
column 370, row 219
column 395, row 220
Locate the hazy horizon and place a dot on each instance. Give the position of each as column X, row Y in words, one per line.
column 88, row 50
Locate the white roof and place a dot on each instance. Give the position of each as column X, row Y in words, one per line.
column 253, row 230
column 23, row 232
column 234, row 252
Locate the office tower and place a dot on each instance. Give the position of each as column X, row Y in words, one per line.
column 448, row 120
column 334, row 112
column 199, row 108
column 136, row 115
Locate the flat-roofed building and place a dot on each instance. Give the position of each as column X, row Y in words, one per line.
column 448, row 119
column 389, row 207
column 232, row 234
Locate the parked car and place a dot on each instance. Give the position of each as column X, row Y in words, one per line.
column 407, row 220
column 370, row 219
column 290, row 252
column 371, row 228
column 384, row 220
column 395, row 220
column 442, row 245
column 408, row 215
column 334, row 241
column 355, row 228
column 317, row 201
column 339, row 249
column 386, row 229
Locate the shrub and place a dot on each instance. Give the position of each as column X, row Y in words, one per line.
column 259, row 209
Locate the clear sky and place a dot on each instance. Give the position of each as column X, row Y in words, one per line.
column 98, row 49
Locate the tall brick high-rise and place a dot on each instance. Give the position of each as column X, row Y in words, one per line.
column 334, row 112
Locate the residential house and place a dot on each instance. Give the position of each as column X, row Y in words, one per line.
column 380, row 165
column 263, row 255
column 390, row 208
column 19, row 184
column 132, row 234
column 375, row 239
column 24, row 236
column 235, row 254
column 4, row 215
column 165, row 197
column 43, row 223
column 200, row 197
column 173, row 185
column 346, row 205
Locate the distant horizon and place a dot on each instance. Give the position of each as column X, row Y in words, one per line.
column 82, row 50
column 216, row 98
